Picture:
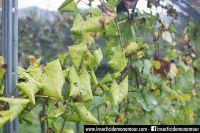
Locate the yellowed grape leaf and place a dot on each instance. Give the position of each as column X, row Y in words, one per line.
column 167, row 36
column 173, row 70
column 191, row 115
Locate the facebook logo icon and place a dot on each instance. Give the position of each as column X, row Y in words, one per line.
column 153, row 128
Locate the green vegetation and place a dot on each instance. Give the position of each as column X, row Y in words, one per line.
column 153, row 75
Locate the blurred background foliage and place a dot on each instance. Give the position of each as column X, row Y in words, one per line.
column 42, row 33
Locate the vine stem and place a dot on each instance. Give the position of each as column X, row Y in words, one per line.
column 127, row 112
column 98, row 115
column 82, row 60
column 63, row 125
column 136, row 78
column 90, row 5
column 119, row 32
column 156, row 45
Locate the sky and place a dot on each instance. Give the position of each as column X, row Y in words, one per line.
column 53, row 5
column 44, row 4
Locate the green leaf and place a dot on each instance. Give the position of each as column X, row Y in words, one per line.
column 62, row 59
column 4, row 117
column 167, row 36
column 107, row 79
column 77, row 54
column 77, row 113
column 93, row 61
column 119, row 92
column 118, row 61
column 68, row 6
column 132, row 47
column 111, row 29
column 108, row 121
column 93, row 77
column 66, row 72
column 1, row 89
column 116, row 75
column 113, row 3
column 55, row 109
column 78, row 19
column 30, row 89
column 95, row 11
column 15, row 108
column 105, row 88
column 80, row 84
column 2, row 74
column 86, row 38
column 35, row 70
column 53, row 80
column 150, row 100
column 147, row 67
column 94, row 24
column 31, row 86
column 159, row 113
column 68, row 131
column 98, row 56
column 1, row 60
column 156, row 64
column 171, row 28
column 81, row 56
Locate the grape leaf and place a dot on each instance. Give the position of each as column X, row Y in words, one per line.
column 173, row 70
column 53, row 80
column 30, row 89
column 55, row 109
column 118, row 61
column 156, row 64
column 4, row 117
column 132, row 47
column 68, row 6
column 62, row 59
column 93, row 78
column 167, row 36
column 15, row 108
column 119, row 92
column 77, row 53
column 77, row 113
column 94, row 24
column 2, row 74
column 81, row 56
column 31, row 86
column 107, row 79
column 68, row 131
column 108, row 121
column 98, row 56
column 147, row 67
column 80, row 84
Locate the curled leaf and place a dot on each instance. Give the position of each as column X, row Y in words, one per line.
column 119, row 92
column 173, row 70
column 78, row 112
column 80, row 85
column 118, row 60
column 15, row 108
column 68, row 6
column 53, row 80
